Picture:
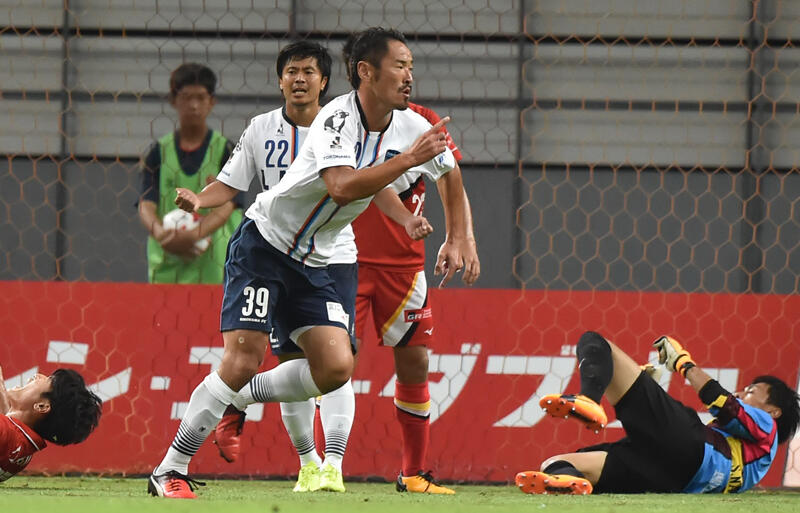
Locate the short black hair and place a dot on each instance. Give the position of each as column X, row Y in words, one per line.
column 192, row 73
column 74, row 409
column 303, row 50
column 370, row 45
column 785, row 398
column 347, row 52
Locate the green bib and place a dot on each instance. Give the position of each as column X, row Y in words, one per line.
column 164, row 267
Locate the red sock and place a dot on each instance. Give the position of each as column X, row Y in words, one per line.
column 413, row 406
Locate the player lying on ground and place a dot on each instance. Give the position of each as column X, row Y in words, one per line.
column 667, row 449
column 57, row 408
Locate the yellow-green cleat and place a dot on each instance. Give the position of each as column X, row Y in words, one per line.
column 308, row 478
column 330, row 479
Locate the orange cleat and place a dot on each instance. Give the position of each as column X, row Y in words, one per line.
column 579, row 407
column 228, row 434
column 173, row 485
column 541, row 483
column 421, row 483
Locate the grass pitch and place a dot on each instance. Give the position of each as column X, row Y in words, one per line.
column 117, row 495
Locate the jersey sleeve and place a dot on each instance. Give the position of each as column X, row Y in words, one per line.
column 333, row 137
column 734, row 417
column 240, row 168
column 438, row 166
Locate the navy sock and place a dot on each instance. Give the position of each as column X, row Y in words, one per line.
column 595, row 365
column 563, row 467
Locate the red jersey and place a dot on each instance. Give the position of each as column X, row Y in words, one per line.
column 384, row 243
column 18, row 442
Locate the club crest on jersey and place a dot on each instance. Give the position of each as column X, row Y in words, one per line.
column 334, row 125
column 417, row 315
column 390, row 154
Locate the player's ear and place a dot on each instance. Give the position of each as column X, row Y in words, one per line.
column 775, row 412
column 323, row 83
column 42, row 406
column 364, row 70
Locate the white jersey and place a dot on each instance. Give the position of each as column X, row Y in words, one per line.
column 266, row 149
column 298, row 216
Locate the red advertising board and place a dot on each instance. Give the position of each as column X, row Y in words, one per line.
column 145, row 347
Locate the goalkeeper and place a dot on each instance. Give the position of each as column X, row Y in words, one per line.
column 667, row 449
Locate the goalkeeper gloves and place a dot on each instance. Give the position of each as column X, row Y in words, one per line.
column 673, row 356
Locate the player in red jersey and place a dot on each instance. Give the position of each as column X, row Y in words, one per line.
column 57, row 408
column 391, row 283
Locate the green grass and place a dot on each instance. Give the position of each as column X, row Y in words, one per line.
column 112, row 495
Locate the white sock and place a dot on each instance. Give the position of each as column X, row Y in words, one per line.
column 337, row 409
column 298, row 419
column 288, row 382
column 205, row 409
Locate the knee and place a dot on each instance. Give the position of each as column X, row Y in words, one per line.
column 593, row 341
column 591, row 337
column 242, row 361
column 335, row 375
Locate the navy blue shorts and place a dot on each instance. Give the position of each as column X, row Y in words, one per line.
column 265, row 288
column 345, row 282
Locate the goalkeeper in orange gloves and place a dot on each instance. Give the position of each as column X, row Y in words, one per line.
column 667, row 449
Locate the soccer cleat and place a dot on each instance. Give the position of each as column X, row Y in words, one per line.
column 173, row 485
column 308, row 478
column 330, row 479
column 578, row 406
column 228, row 434
column 421, row 483
column 541, row 483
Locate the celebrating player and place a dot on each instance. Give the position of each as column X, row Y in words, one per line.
column 57, row 408
column 276, row 269
column 667, row 449
column 266, row 149
column 392, row 286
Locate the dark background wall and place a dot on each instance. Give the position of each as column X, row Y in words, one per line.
column 617, row 145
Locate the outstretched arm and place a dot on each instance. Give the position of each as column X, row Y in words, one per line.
column 458, row 250
column 345, row 185
column 215, row 194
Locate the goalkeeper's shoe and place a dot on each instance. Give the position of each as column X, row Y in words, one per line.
column 579, row 407
column 228, row 434
column 421, row 483
column 173, row 485
column 330, row 479
column 308, row 478
column 541, row 483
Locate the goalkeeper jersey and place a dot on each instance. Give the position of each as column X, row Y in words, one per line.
column 741, row 443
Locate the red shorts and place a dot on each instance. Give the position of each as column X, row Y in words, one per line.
column 398, row 301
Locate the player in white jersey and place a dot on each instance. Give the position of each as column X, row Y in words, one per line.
column 265, row 150
column 265, row 288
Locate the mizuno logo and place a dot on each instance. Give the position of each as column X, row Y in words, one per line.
column 429, row 331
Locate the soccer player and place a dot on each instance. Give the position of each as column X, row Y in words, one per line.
column 667, row 449
column 56, row 408
column 276, row 272
column 392, row 286
column 190, row 157
column 265, row 150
